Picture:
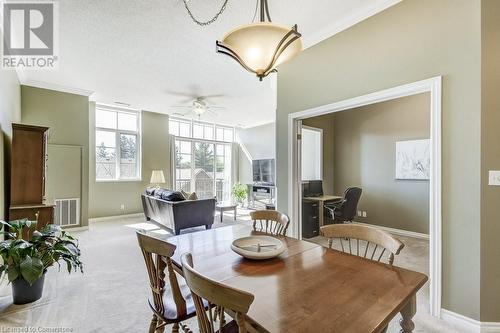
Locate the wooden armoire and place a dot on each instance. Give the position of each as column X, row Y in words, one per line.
column 28, row 173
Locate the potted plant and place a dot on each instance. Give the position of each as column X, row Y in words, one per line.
column 239, row 193
column 25, row 262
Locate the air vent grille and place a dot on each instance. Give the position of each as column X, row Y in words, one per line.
column 67, row 212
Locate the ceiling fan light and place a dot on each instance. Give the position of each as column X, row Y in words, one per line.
column 260, row 47
column 199, row 110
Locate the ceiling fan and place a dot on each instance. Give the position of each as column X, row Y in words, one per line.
column 198, row 108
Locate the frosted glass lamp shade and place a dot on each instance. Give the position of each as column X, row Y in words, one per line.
column 260, row 47
column 157, row 177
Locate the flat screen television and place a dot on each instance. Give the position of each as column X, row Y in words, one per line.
column 263, row 171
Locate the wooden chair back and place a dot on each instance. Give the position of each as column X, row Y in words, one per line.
column 218, row 296
column 350, row 235
column 157, row 255
column 270, row 221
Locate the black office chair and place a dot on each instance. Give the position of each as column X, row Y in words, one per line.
column 345, row 210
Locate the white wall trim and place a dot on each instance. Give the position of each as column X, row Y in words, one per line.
column 468, row 324
column 433, row 86
column 115, row 217
column 337, row 26
column 398, row 232
column 56, row 87
column 71, row 229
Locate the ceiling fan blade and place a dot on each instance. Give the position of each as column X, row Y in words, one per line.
column 181, row 114
column 212, row 96
column 213, row 112
column 180, row 93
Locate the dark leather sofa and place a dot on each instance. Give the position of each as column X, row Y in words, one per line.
column 170, row 210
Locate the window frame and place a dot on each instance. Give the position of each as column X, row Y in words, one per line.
column 118, row 133
column 193, row 142
column 214, row 127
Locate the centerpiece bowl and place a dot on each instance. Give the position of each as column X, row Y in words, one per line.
column 258, row 247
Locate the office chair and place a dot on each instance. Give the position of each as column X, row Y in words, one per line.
column 345, row 210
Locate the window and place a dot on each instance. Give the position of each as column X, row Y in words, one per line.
column 202, row 158
column 200, row 130
column 203, row 167
column 117, row 144
column 224, row 133
column 179, row 127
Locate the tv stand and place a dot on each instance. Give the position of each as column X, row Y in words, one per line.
column 262, row 193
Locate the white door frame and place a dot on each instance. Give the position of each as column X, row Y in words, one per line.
column 433, row 86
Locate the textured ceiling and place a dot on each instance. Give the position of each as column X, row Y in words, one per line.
column 148, row 53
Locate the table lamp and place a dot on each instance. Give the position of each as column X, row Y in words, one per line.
column 157, row 178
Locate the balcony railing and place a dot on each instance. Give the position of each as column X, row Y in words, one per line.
column 204, row 188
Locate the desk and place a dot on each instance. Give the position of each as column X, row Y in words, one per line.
column 308, row 287
column 321, row 201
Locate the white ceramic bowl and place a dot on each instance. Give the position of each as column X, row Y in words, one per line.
column 258, row 247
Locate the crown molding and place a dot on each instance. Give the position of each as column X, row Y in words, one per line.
column 56, row 87
column 347, row 22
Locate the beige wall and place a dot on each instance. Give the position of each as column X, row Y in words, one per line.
column 67, row 116
column 106, row 198
column 255, row 143
column 10, row 112
column 490, row 160
column 411, row 41
column 365, row 150
column 326, row 124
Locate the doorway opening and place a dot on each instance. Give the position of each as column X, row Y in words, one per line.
column 433, row 89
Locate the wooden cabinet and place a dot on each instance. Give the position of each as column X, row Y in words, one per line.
column 43, row 213
column 28, row 173
column 29, row 159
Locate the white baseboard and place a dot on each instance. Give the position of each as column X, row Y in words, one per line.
column 71, row 229
column 398, row 232
column 114, row 217
column 468, row 324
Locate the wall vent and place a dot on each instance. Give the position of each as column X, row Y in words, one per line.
column 67, row 212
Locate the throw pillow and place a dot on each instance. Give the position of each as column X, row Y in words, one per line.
column 151, row 191
column 189, row 196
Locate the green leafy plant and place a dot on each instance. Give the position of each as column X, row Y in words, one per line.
column 29, row 260
column 239, row 192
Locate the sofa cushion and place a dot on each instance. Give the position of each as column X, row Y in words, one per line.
column 189, row 195
column 169, row 195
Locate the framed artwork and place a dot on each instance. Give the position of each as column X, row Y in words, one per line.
column 413, row 160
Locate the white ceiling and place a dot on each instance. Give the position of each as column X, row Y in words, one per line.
column 148, row 52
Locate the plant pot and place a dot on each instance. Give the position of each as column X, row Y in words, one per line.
column 23, row 293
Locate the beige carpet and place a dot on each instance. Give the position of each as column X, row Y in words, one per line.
column 111, row 295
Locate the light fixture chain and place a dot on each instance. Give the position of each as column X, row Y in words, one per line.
column 212, row 20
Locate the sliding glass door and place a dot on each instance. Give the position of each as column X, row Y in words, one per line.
column 203, row 167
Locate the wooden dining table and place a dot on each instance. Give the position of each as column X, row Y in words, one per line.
column 308, row 288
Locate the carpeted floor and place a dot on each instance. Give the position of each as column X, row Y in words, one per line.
column 111, row 295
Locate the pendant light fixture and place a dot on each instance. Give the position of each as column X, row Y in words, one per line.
column 261, row 46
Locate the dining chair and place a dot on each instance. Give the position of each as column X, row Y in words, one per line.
column 171, row 302
column 219, row 297
column 350, row 235
column 270, row 222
